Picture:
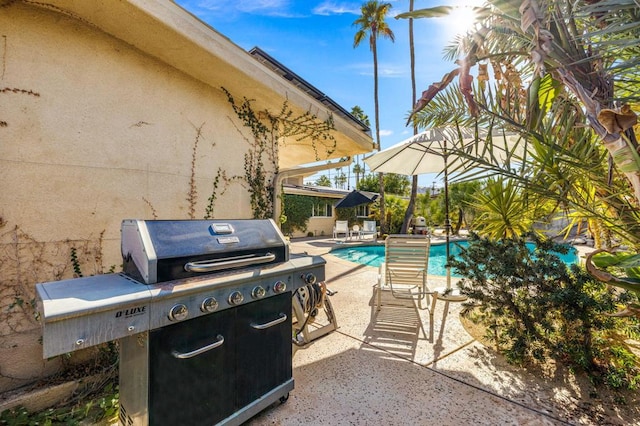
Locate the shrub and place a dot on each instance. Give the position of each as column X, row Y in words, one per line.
column 534, row 307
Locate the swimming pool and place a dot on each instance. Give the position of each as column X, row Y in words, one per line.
column 374, row 255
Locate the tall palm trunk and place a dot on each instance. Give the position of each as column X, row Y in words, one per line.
column 372, row 23
column 408, row 215
column 383, row 217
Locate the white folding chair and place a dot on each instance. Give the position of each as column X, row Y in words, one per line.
column 341, row 227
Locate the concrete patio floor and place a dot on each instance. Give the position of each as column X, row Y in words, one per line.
column 395, row 367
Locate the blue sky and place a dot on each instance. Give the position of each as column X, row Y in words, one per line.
column 315, row 40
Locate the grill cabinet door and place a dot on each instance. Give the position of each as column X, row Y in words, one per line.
column 263, row 355
column 212, row 386
column 198, row 390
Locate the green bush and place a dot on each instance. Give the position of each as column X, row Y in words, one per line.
column 297, row 209
column 535, row 307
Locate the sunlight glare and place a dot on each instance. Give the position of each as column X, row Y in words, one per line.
column 461, row 20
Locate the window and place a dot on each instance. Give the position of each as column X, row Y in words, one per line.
column 362, row 210
column 322, row 208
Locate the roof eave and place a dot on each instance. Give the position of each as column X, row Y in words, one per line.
column 164, row 30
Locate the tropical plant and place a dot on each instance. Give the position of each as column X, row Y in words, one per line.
column 589, row 48
column 461, row 197
column 323, row 180
column 393, row 183
column 502, row 210
column 372, row 24
column 423, row 207
column 358, row 113
column 536, row 307
column 395, row 208
column 580, row 61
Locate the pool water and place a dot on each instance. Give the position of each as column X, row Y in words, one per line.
column 374, row 255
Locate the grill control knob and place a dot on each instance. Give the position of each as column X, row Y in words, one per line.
column 309, row 278
column 279, row 287
column 178, row 312
column 236, row 298
column 258, row 292
column 209, row 304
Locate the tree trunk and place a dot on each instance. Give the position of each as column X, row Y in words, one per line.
column 456, row 230
column 383, row 218
column 408, row 215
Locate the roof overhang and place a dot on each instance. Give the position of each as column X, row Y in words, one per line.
column 315, row 191
column 165, row 31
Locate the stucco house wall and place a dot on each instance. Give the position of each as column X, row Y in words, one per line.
column 321, row 226
column 94, row 130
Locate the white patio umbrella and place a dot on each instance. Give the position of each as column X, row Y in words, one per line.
column 430, row 151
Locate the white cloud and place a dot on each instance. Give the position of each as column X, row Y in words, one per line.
column 386, row 132
column 257, row 7
column 390, row 71
column 329, row 7
column 384, row 70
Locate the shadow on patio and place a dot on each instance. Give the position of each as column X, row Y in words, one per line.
column 395, row 368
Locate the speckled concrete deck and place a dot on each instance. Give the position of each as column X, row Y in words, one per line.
column 394, row 367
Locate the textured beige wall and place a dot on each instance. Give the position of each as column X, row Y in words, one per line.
column 109, row 129
column 92, row 131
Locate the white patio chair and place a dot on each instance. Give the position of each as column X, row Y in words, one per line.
column 341, row 227
column 369, row 228
column 404, row 271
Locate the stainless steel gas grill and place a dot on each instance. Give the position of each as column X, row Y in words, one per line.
column 202, row 313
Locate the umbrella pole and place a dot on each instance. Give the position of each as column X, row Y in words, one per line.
column 447, row 222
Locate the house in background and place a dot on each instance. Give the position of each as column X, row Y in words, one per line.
column 120, row 110
column 322, row 213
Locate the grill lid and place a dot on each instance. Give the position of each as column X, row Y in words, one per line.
column 163, row 250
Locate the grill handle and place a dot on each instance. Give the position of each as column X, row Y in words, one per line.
column 197, row 352
column 229, row 262
column 281, row 318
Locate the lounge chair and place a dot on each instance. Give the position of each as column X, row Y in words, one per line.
column 369, row 228
column 341, row 227
column 404, row 271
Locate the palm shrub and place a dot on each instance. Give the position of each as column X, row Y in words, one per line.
column 535, row 307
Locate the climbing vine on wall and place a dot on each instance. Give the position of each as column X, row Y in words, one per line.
column 270, row 131
column 220, row 179
column 297, row 209
column 192, row 195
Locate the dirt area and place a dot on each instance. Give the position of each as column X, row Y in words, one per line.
column 596, row 406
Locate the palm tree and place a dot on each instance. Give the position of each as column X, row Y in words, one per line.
column 589, row 48
column 358, row 113
column 372, row 23
column 358, row 170
column 581, row 59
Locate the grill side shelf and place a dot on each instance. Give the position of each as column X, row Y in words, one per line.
column 84, row 312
